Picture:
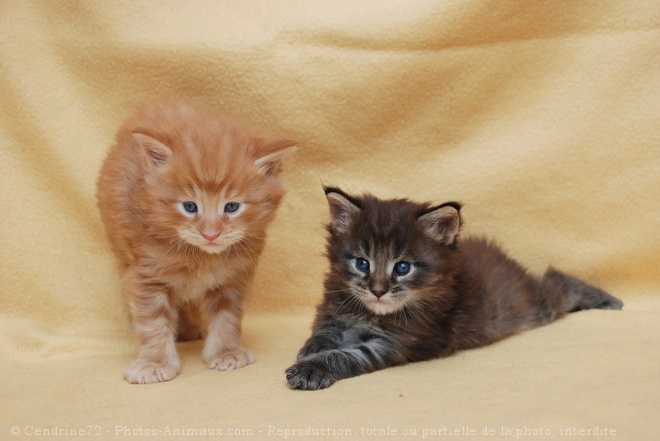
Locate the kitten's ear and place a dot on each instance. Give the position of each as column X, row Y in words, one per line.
column 271, row 155
column 443, row 222
column 341, row 209
column 156, row 152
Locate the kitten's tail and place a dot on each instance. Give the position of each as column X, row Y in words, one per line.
column 570, row 294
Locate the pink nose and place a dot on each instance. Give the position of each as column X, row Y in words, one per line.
column 210, row 235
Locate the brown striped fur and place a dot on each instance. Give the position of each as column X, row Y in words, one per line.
column 402, row 287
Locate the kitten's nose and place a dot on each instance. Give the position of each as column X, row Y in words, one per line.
column 378, row 291
column 210, row 235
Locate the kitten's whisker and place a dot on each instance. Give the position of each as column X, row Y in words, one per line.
column 422, row 312
column 250, row 250
column 253, row 236
column 339, row 291
column 240, row 248
column 174, row 247
column 351, row 302
column 402, row 312
column 235, row 246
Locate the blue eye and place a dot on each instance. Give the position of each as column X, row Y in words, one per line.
column 231, row 207
column 402, row 268
column 362, row 264
column 190, row 207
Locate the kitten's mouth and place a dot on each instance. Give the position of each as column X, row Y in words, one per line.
column 380, row 305
column 212, row 247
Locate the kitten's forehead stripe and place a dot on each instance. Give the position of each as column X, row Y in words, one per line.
column 366, row 247
column 393, row 222
column 212, row 149
column 398, row 249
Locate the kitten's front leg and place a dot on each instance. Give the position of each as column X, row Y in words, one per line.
column 154, row 320
column 325, row 337
column 321, row 370
column 222, row 347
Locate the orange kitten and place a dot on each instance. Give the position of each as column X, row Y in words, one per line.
column 186, row 195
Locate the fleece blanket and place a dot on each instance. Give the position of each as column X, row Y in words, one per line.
column 540, row 117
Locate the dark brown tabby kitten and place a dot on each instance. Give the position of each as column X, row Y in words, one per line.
column 403, row 288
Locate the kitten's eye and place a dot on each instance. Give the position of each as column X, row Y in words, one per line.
column 231, row 207
column 402, row 268
column 190, row 207
column 362, row 264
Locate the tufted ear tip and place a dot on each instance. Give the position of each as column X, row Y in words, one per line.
column 342, row 207
column 443, row 222
column 156, row 152
column 272, row 155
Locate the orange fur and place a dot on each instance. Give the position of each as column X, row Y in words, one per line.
column 173, row 261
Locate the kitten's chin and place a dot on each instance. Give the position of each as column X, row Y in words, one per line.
column 209, row 247
column 213, row 248
column 381, row 306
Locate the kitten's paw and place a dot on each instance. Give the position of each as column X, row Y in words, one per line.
column 143, row 372
column 230, row 360
column 309, row 376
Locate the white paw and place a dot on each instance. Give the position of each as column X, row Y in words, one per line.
column 142, row 372
column 230, row 360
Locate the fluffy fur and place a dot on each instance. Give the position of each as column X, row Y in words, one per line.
column 186, row 195
column 403, row 288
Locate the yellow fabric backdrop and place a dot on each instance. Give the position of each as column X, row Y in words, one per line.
column 541, row 117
